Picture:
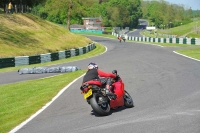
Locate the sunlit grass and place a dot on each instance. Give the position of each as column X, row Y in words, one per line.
column 194, row 53
column 20, row 100
column 26, row 34
column 182, row 30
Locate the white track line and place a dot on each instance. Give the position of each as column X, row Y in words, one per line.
column 186, row 56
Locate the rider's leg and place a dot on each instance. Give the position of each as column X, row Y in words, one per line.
column 109, row 88
column 108, row 83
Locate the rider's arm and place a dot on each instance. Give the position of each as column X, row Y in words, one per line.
column 104, row 74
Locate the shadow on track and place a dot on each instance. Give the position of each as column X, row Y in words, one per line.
column 111, row 112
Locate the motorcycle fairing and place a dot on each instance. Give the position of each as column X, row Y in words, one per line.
column 119, row 91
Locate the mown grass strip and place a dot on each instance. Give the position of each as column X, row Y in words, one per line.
column 26, row 34
column 20, row 100
column 194, row 53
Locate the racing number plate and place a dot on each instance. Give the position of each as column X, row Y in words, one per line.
column 87, row 94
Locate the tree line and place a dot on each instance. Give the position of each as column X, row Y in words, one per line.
column 114, row 13
column 165, row 15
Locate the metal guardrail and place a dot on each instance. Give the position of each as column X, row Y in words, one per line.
column 42, row 58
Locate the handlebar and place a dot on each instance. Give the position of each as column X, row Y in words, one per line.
column 114, row 72
column 117, row 76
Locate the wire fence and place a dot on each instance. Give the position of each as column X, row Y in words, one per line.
column 17, row 9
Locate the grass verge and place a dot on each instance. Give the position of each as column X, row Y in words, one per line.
column 20, row 100
column 194, row 53
column 26, row 34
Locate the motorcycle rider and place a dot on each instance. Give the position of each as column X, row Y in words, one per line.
column 105, row 78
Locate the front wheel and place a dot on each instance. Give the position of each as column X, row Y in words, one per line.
column 128, row 101
column 99, row 106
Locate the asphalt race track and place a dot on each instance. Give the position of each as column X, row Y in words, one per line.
column 165, row 88
column 136, row 32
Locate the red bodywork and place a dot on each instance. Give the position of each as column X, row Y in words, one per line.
column 118, row 90
column 94, row 82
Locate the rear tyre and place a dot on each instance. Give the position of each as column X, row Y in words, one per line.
column 101, row 108
column 128, row 101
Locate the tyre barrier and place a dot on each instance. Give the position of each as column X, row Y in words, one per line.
column 40, row 70
column 42, row 58
column 190, row 41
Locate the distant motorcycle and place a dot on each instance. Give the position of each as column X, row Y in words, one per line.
column 121, row 38
column 94, row 92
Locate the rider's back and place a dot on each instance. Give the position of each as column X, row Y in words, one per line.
column 91, row 74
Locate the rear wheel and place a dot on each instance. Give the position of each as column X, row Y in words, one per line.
column 128, row 101
column 100, row 105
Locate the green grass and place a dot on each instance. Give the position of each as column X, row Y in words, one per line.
column 26, row 35
column 188, row 30
column 20, row 100
column 147, row 34
column 194, row 53
column 194, row 34
column 100, row 35
column 165, row 44
column 182, row 30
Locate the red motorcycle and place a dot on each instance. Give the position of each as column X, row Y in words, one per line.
column 95, row 94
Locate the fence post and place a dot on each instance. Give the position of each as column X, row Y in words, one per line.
column 15, row 8
column 6, row 8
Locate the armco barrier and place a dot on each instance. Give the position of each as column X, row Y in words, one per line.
column 88, row 48
column 21, row 60
column 45, row 57
column 34, row 59
column 80, row 51
column 76, row 52
column 54, row 56
column 42, row 58
column 61, row 54
column 84, row 50
column 72, row 52
column 7, row 62
column 67, row 53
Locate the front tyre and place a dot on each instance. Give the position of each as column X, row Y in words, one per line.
column 128, row 101
column 101, row 108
